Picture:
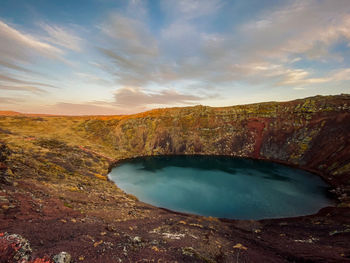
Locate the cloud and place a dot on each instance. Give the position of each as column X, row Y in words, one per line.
column 302, row 27
column 19, row 47
column 61, row 37
column 131, row 97
column 65, row 108
column 179, row 30
column 268, row 51
column 137, row 9
column 130, row 36
column 299, row 77
column 32, row 54
column 186, row 10
column 8, row 100
column 10, row 65
column 23, row 88
column 185, row 52
column 131, row 50
column 13, row 80
column 263, row 50
column 20, row 51
column 91, row 78
column 127, row 100
column 341, row 74
column 137, row 58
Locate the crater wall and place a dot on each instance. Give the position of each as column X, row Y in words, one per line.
column 311, row 133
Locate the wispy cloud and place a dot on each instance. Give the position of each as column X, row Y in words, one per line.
column 23, row 88
column 18, row 46
column 92, row 78
column 9, row 65
column 126, row 100
column 9, row 100
column 13, row 80
column 131, row 97
column 187, row 10
column 62, row 37
column 129, row 35
column 80, row 109
column 131, row 50
column 300, row 78
column 21, row 52
column 302, row 27
column 341, row 74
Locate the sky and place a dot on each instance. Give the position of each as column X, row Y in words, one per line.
column 121, row 57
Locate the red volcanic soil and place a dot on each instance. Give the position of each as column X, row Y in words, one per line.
column 257, row 126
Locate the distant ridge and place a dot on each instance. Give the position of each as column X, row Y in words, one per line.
column 159, row 110
column 15, row 113
column 9, row 113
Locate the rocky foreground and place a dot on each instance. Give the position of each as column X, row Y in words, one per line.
column 55, row 196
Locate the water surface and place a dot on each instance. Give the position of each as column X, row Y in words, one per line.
column 222, row 186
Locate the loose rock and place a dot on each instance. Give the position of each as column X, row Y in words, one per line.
column 62, row 257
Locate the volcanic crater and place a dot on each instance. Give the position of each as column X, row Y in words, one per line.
column 55, row 192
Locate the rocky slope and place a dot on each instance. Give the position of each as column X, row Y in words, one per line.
column 55, row 193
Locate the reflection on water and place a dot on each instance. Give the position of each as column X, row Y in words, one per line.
column 222, row 186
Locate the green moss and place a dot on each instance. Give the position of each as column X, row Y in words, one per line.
column 343, row 169
column 50, row 143
column 67, row 205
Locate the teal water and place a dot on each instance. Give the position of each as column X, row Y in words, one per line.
column 222, row 187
